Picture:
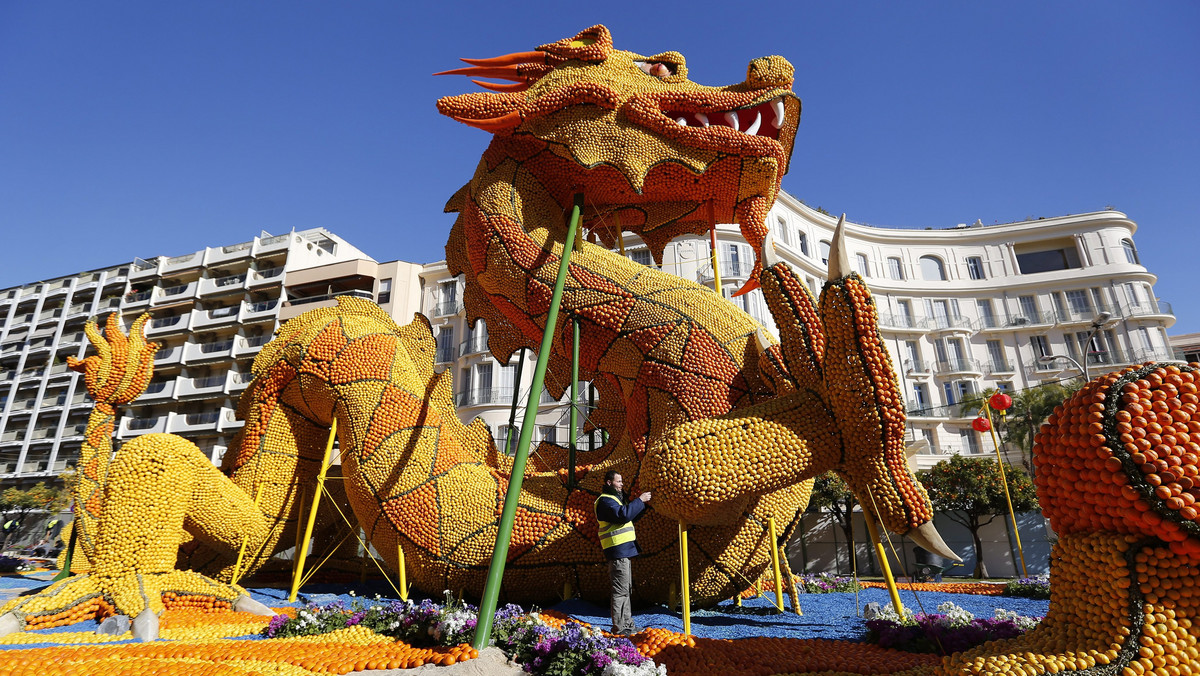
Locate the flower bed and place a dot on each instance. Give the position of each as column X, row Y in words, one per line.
column 950, row 630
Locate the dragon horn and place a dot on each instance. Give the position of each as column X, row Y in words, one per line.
column 509, row 59
column 514, row 87
column 927, row 538
column 839, row 260
column 497, row 73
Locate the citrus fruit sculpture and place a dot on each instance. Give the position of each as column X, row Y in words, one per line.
column 1117, row 475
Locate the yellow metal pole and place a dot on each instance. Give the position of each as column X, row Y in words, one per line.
column 620, row 233
column 400, row 566
column 1004, row 480
column 686, row 583
column 299, row 508
column 893, row 591
column 775, row 563
column 302, row 554
column 237, row 567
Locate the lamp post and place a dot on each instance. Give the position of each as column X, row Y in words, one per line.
column 1097, row 323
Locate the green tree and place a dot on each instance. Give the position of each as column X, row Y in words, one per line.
column 970, row 492
column 831, row 493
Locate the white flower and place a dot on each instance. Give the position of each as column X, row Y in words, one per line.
column 955, row 615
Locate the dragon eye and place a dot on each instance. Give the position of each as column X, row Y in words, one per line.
column 658, row 69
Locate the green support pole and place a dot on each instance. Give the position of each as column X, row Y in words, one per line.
column 66, row 569
column 591, row 407
column 491, row 590
column 574, row 402
column 512, row 413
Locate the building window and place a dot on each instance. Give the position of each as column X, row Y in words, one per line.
column 549, row 434
column 1131, row 254
column 385, row 291
column 1004, row 386
column 895, row 269
column 445, row 344
column 1029, row 311
column 784, row 235
column 1080, row 303
column 996, row 353
column 975, row 267
column 1041, row 348
column 932, row 268
column 970, row 441
column 864, row 268
column 987, row 315
column 1033, row 262
column 640, row 256
column 824, row 252
column 802, row 242
column 920, row 397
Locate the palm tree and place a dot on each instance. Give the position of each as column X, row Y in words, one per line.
column 1029, row 410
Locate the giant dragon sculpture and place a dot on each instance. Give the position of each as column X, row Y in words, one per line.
column 700, row 406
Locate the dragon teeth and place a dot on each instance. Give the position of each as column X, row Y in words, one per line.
column 777, row 104
column 681, row 121
column 755, row 124
column 703, row 119
column 732, row 118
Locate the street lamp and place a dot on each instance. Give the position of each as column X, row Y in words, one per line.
column 1097, row 323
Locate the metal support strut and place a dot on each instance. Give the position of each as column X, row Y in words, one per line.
column 491, row 589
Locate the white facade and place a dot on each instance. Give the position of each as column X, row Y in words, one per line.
column 961, row 310
column 212, row 310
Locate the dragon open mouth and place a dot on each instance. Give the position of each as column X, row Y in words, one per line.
column 764, row 119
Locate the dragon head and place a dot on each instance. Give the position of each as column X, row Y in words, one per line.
column 653, row 152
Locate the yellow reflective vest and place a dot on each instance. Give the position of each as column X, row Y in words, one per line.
column 613, row 534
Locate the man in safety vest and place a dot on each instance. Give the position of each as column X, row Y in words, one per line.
column 615, row 518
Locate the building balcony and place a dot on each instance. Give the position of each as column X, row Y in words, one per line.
column 486, row 396
column 901, row 323
column 447, row 308
column 194, row 422
column 473, row 346
column 143, row 269
column 202, row 319
column 172, row 295
column 43, row 433
column 916, row 367
column 108, row 303
column 225, row 254
column 164, row 325
column 49, row 315
column 925, row 412
column 1140, row 356
column 445, row 355
column 245, row 346
column 252, row 312
column 951, row 325
column 31, row 374
column 12, row 348
column 220, row 286
column 91, row 282
column 1159, row 308
column 53, row 403
column 1040, row 371
column 269, row 245
column 168, row 356
column 1031, row 320
column 40, row 345
column 79, row 310
column 239, row 381
column 135, row 427
column 62, row 286
column 137, row 299
column 1083, row 316
column 267, row 277
column 196, row 352
column 209, row 385
column 179, row 263
column 111, row 280
column 958, row 367
column 729, row 269
column 60, row 371
column 158, row 391
column 73, row 432
column 228, row 420
column 72, row 339
column 12, row 438
column 995, row 368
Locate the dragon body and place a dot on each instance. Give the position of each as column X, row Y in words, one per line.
column 701, row 406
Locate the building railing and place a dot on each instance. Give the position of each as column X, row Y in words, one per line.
column 1000, row 367
column 472, row 346
column 357, row 293
column 137, row 297
column 729, row 269
column 264, row 306
column 1158, row 307
column 268, row 241
column 915, row 366
column 485, row 395
column 210, row 381
column 230, row 280
column 445, row 354
column 142, row 423
column 448, row 307
column 163, row 322
column 156, row 387
column 268, row 273
column 1080, row 315
column 207, row 418
column 1036, row 319
column 234, row 248
column 958, row 366
column 218, row 346
column 939, row 323
column 256, row 341
column 903, row 321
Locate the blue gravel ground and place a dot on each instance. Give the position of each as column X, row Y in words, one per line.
column 826, row 616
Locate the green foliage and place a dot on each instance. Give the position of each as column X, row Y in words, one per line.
column 39, row 496
column 832, row 494
column 1029, row 410
column 1029, row 587
column 970, row 492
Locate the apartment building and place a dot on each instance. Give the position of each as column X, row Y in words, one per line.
column 961, row 309
column 212, row 310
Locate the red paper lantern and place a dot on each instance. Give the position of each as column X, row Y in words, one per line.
column 1000, row 401
column 981, row 424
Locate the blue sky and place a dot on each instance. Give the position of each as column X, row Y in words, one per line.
column 143, row 128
